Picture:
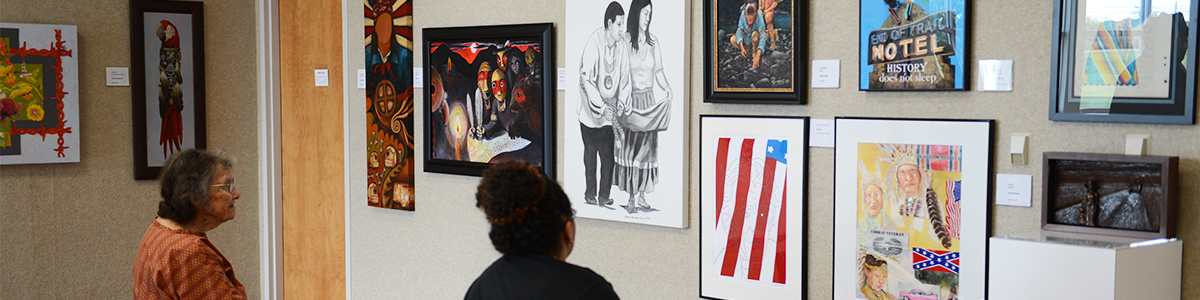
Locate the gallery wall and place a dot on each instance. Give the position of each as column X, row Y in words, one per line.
column 70, row 231
column 438, row 250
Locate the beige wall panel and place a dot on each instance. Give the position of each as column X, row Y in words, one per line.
column 311, row 119
column 70, row 231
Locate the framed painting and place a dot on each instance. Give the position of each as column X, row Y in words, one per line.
column 167, row 76
column 911, row 200
column 626, row 129
column 491, row 97
column 1110, row 194
column 755, row 51
column 39, row 94
column 753, row 187
column 914, row 45
column 1124, row 61
column 390, row 140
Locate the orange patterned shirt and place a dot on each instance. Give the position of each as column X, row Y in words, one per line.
column 179, row 264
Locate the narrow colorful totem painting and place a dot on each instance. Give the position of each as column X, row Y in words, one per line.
column 389, row 58
column 39, row 94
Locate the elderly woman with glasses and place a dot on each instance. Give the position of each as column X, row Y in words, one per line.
column 533, row 225
column 175, row 259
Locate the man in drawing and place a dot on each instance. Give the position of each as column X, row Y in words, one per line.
column 603, row 78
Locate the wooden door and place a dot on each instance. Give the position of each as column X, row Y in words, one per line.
column 313, row 191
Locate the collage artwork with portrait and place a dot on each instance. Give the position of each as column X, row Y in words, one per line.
column 908, row 221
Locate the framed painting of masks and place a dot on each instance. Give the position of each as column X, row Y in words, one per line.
column 626, row 126
column 1126, row 61
column 914, row 45
column 911, row 208
column 755, row 51
column 752, row 207
column 1131, row 196
column 167, row 76
column 491, row 97
column 390, row 140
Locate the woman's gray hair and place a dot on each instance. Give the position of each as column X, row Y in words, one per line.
column 186, row 180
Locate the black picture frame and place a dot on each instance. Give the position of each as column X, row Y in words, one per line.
column 1173, row 104
column 445, row 96
column 899, row 43
column 189, row 75
column 726, row 142
column 1157, row 179
column 717, row 42
column 874, row 151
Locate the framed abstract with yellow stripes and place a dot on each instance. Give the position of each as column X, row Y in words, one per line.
column 1126, row 61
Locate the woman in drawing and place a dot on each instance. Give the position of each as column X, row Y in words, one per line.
column 642, row 116
column 873, row 283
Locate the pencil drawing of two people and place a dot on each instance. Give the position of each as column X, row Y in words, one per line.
column 619, row 114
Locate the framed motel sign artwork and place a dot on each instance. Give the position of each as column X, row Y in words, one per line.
column 913, row 45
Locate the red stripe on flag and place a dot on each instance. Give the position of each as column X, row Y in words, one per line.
column 721, row 163
column 781, row 240
column 734, row 243
column 764, row 210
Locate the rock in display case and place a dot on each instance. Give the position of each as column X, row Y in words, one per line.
column 1110, row 194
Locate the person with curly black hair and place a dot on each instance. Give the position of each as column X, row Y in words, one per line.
column 533, row 225
column 175, row 259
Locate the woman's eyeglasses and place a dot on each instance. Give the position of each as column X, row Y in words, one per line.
column 228, row 187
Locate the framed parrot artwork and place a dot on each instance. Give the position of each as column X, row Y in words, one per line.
column 167, row 76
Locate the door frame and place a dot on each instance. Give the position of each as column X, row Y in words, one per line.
column 269, row 143
column 270, row 157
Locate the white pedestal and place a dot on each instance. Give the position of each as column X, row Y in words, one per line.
column 1053, row 269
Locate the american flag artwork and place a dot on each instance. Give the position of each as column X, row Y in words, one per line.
column 935, row 260
column 953, row 199
column 751, row 209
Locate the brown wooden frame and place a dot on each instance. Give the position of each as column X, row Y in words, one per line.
column 1168, row 181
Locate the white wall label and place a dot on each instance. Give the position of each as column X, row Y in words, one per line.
column 117, row 76
column 322, row 77
column 562, row 77
column 995, row 75
column 820, row 133
column 418, row 77
column 362, row 79
column 1014, row 189
column 825, row 73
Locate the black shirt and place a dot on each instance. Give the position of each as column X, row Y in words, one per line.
column 538, row 276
